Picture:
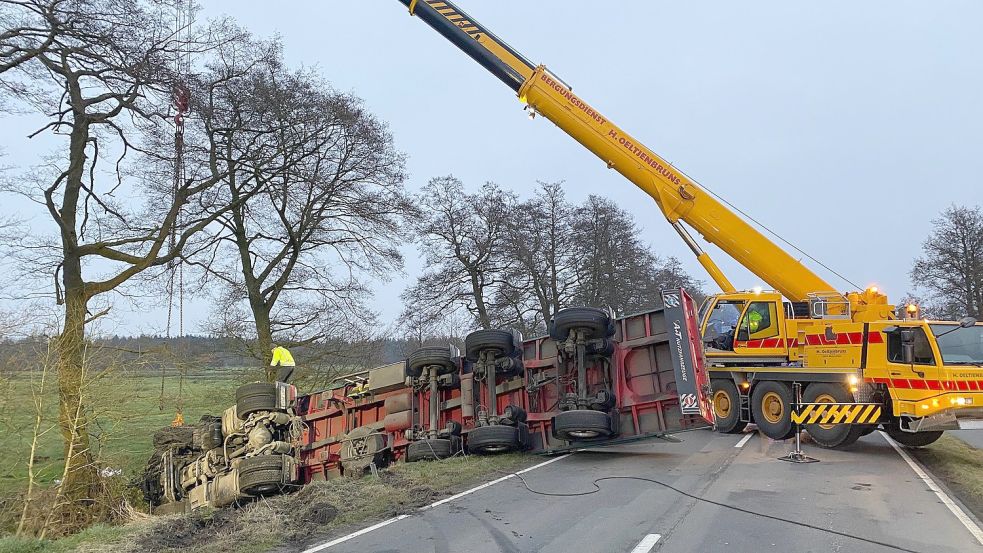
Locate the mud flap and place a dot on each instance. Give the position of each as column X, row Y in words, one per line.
column 692, row 380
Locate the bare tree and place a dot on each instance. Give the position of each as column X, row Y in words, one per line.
column 541, row 280
column 951, row 266
column 98, row 72
column 614, row 267
column 328, row 216
column 464, row 238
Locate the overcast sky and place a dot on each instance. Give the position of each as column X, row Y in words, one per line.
column 844, row 126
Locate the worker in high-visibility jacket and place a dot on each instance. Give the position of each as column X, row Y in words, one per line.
column 283, row 359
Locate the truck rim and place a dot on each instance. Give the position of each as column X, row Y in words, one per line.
column 825, row 398
column 772, row 407
column 721, row 404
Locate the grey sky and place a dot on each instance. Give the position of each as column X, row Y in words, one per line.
column 844, row 126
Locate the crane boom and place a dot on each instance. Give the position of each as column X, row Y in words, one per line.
column 679, row 198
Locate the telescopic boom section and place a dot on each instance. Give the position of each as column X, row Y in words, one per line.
column 679, row 198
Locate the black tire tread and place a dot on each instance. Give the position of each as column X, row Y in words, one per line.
column 496, row 339
column 733, row 424
column 499, row 435
column 597, row 320
column 581, row 419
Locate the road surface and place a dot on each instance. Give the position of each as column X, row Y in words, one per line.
column 869, row 491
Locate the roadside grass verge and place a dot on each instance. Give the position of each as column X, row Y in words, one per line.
column 313, row 514
column 960, row 466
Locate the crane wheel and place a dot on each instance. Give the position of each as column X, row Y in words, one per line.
column 831, row 435
column 727, row 407
column 911, row 439
column 771, row 406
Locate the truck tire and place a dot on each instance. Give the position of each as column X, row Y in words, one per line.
column 262, row 475
column 831, row 436
column 912, row 439
column 592, row 318
column 423, row 357
column 428, row 450
column 727, row 406
column 513, row 415
column 581, row 425
column 494, row 339
column 497, row 438
column 258, row 396
column 771, row 406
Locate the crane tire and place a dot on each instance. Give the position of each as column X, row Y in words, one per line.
column 831, row 436
column 912, row 439
column 727, row 406
column 501, row 341
column 771, row 406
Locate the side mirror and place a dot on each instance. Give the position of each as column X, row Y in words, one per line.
column 829, row 334
column 967, row 322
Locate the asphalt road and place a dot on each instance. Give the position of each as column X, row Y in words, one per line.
column 868, row 491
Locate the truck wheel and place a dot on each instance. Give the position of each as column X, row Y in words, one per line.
column 498, row 438
column 428, row 450
column 499, row 340
column 514, row 415
column 424, row 357
column 363, row 446
column 262, row 475
column 727, row 407
column 771, row 405
column 831, row 435
column 912, row 439
column 582, row 425
column 258, row 396
column 596, row 320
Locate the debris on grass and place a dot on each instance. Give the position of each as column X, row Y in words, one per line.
column 318, row 510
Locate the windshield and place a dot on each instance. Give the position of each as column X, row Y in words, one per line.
column 959, row 346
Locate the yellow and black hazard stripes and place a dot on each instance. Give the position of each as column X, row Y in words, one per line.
column 836, row 413
column 455, row 17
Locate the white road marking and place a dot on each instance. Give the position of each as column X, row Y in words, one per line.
column 970, row 425
column 970, row 525
column 647, row 543
column 745, row 439
column 389, row 521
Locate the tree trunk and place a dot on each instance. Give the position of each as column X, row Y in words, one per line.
column 79, row 485
column 264, row 334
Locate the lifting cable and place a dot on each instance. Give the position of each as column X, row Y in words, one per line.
column 180, row 97
column 597, row 488
column 772, row 232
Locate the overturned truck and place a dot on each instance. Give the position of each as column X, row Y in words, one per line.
column 594, row 380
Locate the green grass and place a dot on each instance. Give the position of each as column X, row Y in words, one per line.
column 127, row 409
column 99, row 538
column 960, row 466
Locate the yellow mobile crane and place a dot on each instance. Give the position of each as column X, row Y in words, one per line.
column 839, row 348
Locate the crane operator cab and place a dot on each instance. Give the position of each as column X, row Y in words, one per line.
column 744, row 328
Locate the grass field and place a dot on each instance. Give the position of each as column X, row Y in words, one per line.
column 960, row 466
column 127, row 408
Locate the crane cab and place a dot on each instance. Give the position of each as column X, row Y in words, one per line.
column 746, row 328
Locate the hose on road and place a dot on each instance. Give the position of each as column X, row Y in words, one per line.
column 597, row 488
